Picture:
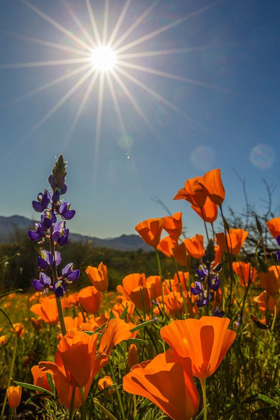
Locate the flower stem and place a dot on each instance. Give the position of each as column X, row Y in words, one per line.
column 12, row 364
column 203, row 387
column 117, row 391
column 161, row 279
column 71, row 410
column 274, row 314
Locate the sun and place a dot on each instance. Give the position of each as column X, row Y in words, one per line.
column 103, row 58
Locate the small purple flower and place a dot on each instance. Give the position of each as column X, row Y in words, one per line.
column 59, row 288
column 69, row 273
column 214, row 283
column 47, row 219
column 202, row 273
column 45, row 260
column 65, row 212
column 38, row 233
column 197, row 289
column 42, row 284
column 43, row 201
column 60, row 233
column 218, row 313
column 202, row 301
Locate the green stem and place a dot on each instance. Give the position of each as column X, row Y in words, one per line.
column 12, row 364
column 71, row 410
column 117, row 390
column 203, row 387
column 180, row 286
column 54, row 278
column 161, row 279
column 274, row 314
column 105, row 411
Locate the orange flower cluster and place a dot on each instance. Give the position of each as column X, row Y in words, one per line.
column 197, row 349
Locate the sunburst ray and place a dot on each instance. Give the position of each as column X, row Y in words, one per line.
column 46, row 63
column 166, row 27
column 135, row 24
column 118, row 24
column 56, row 25
column 93, row 22
column 61, row 102
column 49, row 84
column 74, row 17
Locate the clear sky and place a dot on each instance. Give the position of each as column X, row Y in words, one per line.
column 195, row 86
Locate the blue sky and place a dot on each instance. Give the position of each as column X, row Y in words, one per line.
column 197, row 90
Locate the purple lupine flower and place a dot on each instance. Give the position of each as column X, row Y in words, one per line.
column 42, row 284
column 38, row 233
column 197, row 289
column 69, row 273
column 202, row 273
column 202, row 301
column 58, row 258
column 43, row 201
column 218, row 313
column 214, row 283
column 59, row 288
column 47, row 219
column 45, row 259
column 60, row 233
column 65, row 212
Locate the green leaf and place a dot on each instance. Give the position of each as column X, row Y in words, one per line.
column 226, row 225
column 124, row 312
column 9, row 293
column 34, row 388
column 268, row 400
column 50, row 382
column 259, row 226
column 143, row 325
column 263, row 265
column 137, row 341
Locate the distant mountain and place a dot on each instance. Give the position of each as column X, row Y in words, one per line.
column 10, row 225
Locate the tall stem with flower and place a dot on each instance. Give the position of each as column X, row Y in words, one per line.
column 51, row 206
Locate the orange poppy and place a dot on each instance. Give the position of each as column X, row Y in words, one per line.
column 212, row 184
column 184, row 278
column 166, row 384
column 117, row 330
column 98, row 277
column 104, row 383
column 235, row 240
column 37, row 323
column 205, row 340
column 208, row 212
column 195, row 246
column 166, row 246
column 264, row 299
column 14, row 396
column 75, row 365
column 174, row 302
column 153, row 286
column 270, row 280
column 19, row 329
column 193, row 192
column 244, row 272
column 150, row 231
column 173, row 225
column 47, row 310
column 169, row 247
column 132, row 358
column 3, row 340
column 40, row 378
column 274, row 227
column 90, row 299
column 134, row 288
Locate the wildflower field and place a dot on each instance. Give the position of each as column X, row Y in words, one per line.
column 198, row 340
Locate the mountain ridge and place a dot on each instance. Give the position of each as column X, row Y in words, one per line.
column 10, row 225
